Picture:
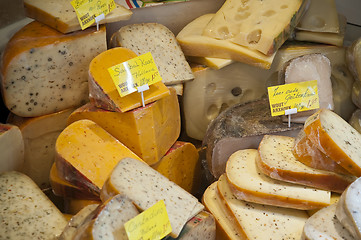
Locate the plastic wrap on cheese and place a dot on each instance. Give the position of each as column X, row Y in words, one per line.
column 355, row 120
column 353, row 58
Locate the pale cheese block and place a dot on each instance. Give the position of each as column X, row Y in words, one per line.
column 102, row 90
column 324, row 225
column 193, row 43
column 259, row 25
column 145, row 186
column 336, row 138
column 349, row 207
column 60, row 14
column 215, row 63
column 262, row 221
column 353, row 58
column 161, row 43
column 250, row 184
column 12, row 155
column 86, row 155
column 40, row 134
column 335, row 197
column 355, row 120
column 178, row 88
column 278, row 162
column 45, row 71
column 148, row 131
column 26, row 212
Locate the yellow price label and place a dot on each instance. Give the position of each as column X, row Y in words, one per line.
column 88, row 10
column 152, row 224
column 302, row 95
column 134, row 73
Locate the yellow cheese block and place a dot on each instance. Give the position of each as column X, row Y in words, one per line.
column 148, row 131
column 181, row 165
column 102, row 90
column 86, row 154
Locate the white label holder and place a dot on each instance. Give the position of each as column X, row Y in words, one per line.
column 98, row 19
column 141, row 89
column 289, row 112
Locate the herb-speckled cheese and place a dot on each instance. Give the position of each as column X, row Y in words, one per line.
column 44, row 71
column 26, row 212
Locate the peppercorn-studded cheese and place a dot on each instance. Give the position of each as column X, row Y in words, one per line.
column 11, row 148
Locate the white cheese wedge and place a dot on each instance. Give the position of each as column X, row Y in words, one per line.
column 26, row 212
column 250, row 184
column 11, row 148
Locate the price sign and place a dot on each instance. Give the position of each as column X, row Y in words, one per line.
column 88, row 10
column 152, row 224
column 303, row 96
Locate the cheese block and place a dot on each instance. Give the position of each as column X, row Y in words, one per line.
column 250, row 184
column 336, row 138
column 61, row 15
column 86, row 154
column 335, row 197
column 353, row 58
column 311, row 156
column 102, row 90
column 278, row 162
column 45, row 71
column 216, row 90
column 230, row 132
column 349, row 207
column 108, row 219
column 148, row 131
column 181, row 165
column 73, row 206
column 178, row 88
column 262, row 221
column 161, row 43
column 40, row 134
column 76, row 221
column 145, row 186
column 227, row 229
column 325, row 225
column 65, row 189
column 26, row 212
column 215, row 63
column 193, row 43
column 259, row 25
column 12, row 155
column 355, row 120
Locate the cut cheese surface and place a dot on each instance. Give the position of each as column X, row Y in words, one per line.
column 86, row 154
column 260, row 25
column 45, row 71
column 216, row 63
column 26, row 212
column 148, row 131
column 102, row 90
column 60, row 14
column 145, row 186
column 250, row 184
column 11, row 148
column 262, row 221
column 193, row 43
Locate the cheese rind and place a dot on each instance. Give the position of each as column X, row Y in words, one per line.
column 11, row 148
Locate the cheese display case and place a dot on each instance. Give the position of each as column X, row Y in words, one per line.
column 101, row 140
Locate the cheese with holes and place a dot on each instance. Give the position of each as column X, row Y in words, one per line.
column 193, row 43
column 181, row 165
column 11, row 148
column 148, row 131
column 86, row 154
column 60, row 14
column 256, row 24
column 40, row 134
column 102, row 90
column 145, row 186
column 44, row 71
column 250, row 184
column 26, row 212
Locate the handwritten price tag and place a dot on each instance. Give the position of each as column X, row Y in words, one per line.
column 88, row 10
column 152, row 224
column 136, row 72
column 303, row 96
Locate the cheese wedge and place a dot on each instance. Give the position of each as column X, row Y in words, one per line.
column 102, row 90
column 215, row 63
column 60, row 14
column 250, row 184
column 26, row 212
column 45, row 71
column 278, row 162
column 148, row 131
column 336, row 138
column 193, row 43
column 86, row 154
column 11, row 148
column 262, row 221
column 145, row 186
